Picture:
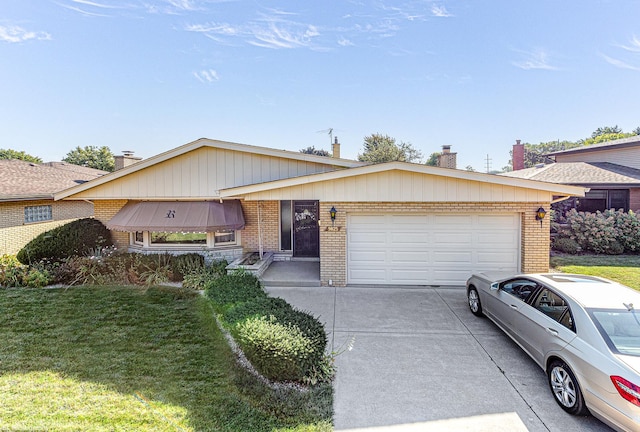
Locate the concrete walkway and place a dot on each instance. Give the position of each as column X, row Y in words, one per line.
column 416, row 359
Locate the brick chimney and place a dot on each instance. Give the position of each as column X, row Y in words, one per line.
column 335, row 148
column 518, row 156
column 127, row 158
column 446, row 159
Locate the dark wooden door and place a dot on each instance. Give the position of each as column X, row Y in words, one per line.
column 306, row 234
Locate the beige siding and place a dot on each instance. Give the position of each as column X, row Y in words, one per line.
column 200, row 174
column 622, row 156
column 15, row 234
column 396, row 186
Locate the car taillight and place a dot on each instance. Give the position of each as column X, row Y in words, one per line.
column 627, row 390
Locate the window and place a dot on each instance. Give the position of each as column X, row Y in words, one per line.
column 554, row 306
column 285, row 225
column 37, row 213
column 620, row 329
column 226, row 237
column 178, row 238
column 520, row 288
column 138, row 237
column 602, row 199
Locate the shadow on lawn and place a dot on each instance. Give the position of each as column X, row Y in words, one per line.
column 160, row 346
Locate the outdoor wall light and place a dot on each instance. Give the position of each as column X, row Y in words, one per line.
column 540, row 214
column 332, row 213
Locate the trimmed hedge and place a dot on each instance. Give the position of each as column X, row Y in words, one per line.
column 75, row 238
column 282, row 343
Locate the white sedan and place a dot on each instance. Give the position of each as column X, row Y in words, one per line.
column 582, row 330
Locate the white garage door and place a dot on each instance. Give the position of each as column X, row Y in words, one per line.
column 431, row 249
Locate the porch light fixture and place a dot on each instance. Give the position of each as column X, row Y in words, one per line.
column 332, row 213
column 540, row 214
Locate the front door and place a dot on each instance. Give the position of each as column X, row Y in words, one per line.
column 306, row 234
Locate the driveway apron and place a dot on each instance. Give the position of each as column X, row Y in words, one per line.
column 417, row 359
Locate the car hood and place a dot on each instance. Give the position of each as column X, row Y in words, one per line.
column 632, row 361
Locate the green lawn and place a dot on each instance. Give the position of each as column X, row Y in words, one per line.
column 621, row 268
column 128, row 359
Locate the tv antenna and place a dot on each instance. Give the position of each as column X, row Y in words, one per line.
column 329, row 132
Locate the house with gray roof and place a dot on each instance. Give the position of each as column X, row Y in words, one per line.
column 27, row 207
column 610, row 170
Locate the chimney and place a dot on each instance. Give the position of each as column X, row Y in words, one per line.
column 446, row 159
column 518, row 156
column 126, row 159
column 335, row 148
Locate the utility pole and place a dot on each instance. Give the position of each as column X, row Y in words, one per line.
column 488, row 164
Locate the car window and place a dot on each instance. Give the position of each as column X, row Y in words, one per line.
column 620, row 329
column 519, row 288
column 554, row 306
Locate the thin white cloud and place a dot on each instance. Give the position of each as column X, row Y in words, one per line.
column 207, row 76
column 98, row 5
column 440, row 11
column 344, row 42
column 634, row 45
column 536, row 59
column 82, row 11
column 620, row 64
column 16, row 34
column 628, row 58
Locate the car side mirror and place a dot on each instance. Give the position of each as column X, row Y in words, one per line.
column 495, row 286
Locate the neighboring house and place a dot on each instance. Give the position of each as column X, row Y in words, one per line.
column 27, row 207
column 610, row 170
column 395, row 223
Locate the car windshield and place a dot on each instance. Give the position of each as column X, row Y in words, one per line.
column 620, row 328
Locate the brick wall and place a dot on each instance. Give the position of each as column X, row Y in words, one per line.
column 333, row 244
column 15, row 234
column 104, row 210
column 270, row 225
column 634, row 199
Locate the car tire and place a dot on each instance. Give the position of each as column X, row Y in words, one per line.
column 565, row 388
column 474, row 301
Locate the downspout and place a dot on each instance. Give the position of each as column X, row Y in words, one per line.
column 260, row 247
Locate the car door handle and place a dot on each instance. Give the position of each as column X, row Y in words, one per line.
column 552, row 331
column 514, row 307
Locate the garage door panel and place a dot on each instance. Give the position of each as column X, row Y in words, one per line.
column 458, row 257
column 400, row 276
column 427, row 249
column 368, row 256
column 409, row 238
column 399, row 257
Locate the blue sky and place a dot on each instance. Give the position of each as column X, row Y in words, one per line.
column 150, row 75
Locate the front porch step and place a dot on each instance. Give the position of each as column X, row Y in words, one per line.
column 290, row 283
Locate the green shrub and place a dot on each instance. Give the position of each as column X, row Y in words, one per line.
column 198, row 280
column 283, row 313
column 15, row 274
column 233, row 288
column 75, row 238
column 593, row 231
column 185, row 264
column 567, row 245
column 279, row 351
column 627, row 228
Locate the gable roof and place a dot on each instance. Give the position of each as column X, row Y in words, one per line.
column 205, row 142
column 404, row 167
column 22, row 180
column 583, row 173
column 633, row 141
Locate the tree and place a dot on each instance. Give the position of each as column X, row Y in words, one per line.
column 380, row 148
column 312, row 150
column 433, row 159
column 93, row 157
column 18, row 154
column 469, row 168
column 636, row 131
column 606, row 130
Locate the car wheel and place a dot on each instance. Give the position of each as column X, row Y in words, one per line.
column 474, row 301
column 565, row 388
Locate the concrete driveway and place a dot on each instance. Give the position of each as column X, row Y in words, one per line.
column 419, row 360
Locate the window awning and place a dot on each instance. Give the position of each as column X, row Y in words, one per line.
column 178, row 216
